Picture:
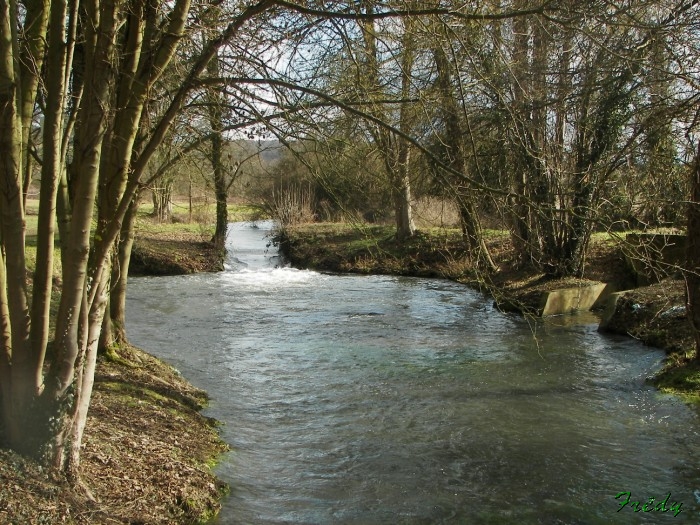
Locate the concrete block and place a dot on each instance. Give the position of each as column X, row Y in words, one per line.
column 567, row 300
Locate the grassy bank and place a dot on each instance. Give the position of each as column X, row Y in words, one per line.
column 181, row 246
column 146, row 457
column 655, row 314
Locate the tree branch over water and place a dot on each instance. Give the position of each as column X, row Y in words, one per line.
column 395, row 13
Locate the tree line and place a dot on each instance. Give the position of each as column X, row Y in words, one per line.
column 558, row 120
column 560, row 117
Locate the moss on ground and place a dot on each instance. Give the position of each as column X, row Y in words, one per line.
column 681, row 378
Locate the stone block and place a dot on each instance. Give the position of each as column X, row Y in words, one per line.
column 567, row 300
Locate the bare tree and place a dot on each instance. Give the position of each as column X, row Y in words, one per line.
column 126, row 49
column 370, row 82
column 692, row 271
column 454, row 138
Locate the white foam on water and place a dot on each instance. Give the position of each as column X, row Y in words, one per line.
column 271, row 277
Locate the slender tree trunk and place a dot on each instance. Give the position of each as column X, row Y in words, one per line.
column 72, row 319
column 544, row 210
column 394, row 153
column 405, row 227
column 7, row 421
column 130, row 94
column 20, row 388
column 692, row 270
column 522, row 234
column 455, row 134
column 216, row 122
column 140, row 70
column 162, row 198
column 85, row 379
column 52, row 168
column 120, row 276
column 63, row 214
column 31, row 60
column 219, row 238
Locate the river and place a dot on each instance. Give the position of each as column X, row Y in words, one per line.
column 353, row 399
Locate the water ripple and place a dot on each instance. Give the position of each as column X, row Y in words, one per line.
column 355, row 399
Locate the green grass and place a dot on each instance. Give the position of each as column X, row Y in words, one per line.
column 181, row 210
column 203, row 217
column 370, row 248
column 681, row 379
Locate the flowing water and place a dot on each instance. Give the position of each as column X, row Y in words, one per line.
column 375, row 399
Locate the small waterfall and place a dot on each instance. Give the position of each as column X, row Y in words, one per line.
column 249, row 246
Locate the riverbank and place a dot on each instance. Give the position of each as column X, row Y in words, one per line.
column 146, row 458
column 655, row 314
column 148, row 450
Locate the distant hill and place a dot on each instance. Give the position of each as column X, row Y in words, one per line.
column 270, row 150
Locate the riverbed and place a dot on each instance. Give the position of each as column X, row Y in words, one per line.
column 381, row 399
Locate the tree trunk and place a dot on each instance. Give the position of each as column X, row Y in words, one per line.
column 51, row 170
column 114, row 322
column 162, row 195
column 455, row 134
column 519, row 211
column 216, row 123
column 140, row 70
column 72, row 322
column 19, row 383
column 219, row 238
column 63, row 214
column 405, row 227
column 692, row 269
column 542, row 180
column 32, row 53
column 394, row 151
column 44, row 409
column 120, row 275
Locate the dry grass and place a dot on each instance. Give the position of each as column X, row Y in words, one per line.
column 433, row 212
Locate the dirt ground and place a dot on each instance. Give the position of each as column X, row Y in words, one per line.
column 147, row 450
column 146, row 457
